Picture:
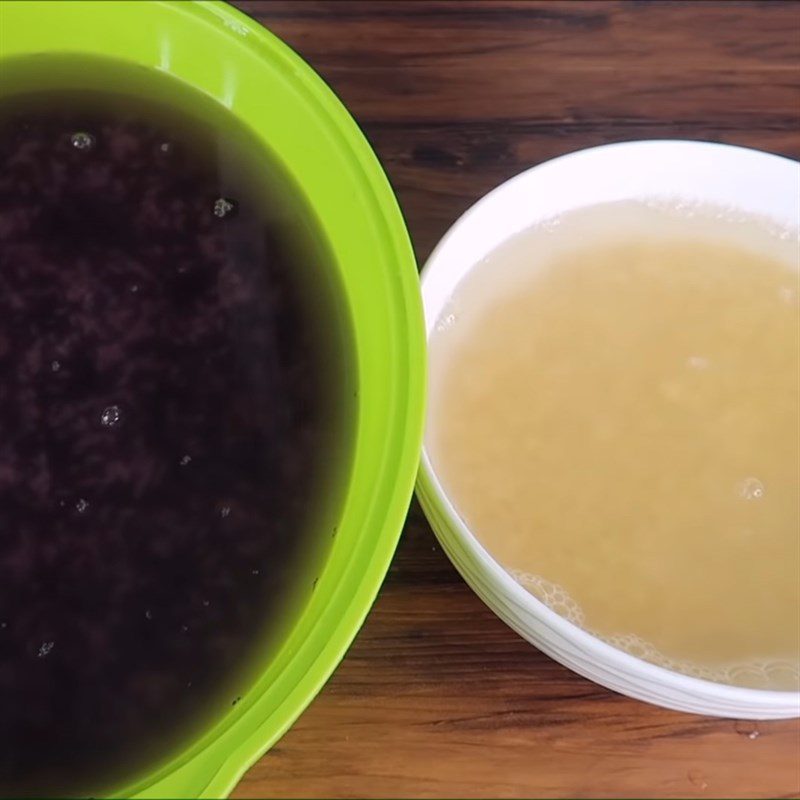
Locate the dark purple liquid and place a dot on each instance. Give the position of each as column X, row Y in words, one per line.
column 161, row 436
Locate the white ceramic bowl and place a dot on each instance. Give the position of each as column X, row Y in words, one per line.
column 693, row 172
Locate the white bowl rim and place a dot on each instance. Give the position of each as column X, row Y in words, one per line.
column 761, row 700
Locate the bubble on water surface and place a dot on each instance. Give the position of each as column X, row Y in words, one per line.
column 81, row 505
column 45, row 649
column 697, row 362
column 111, row 416
column 82, row 141
column 550, row 225
column 225, row 511
column 445, row 322
column 751, row 489
column 788, row 295
column 186, row 460
column 55, row 366
column 223, row 207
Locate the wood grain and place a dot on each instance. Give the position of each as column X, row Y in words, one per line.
column 437, row 698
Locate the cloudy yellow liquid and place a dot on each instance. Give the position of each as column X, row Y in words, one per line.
column 614, row 412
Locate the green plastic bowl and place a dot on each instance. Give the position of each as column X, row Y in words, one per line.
column 228, row 57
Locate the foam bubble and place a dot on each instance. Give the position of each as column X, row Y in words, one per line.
column 223, row 207
column 549, row 225
column 448, row 316
column 45, row 649
column 751, row 489
column 81, row 140
column 697, row 362
column 552, row 595
column 787, row 295
column 753, row 674
column 111, row 416
column 445, row 322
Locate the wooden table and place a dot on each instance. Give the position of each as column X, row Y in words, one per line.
column 437, row 698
